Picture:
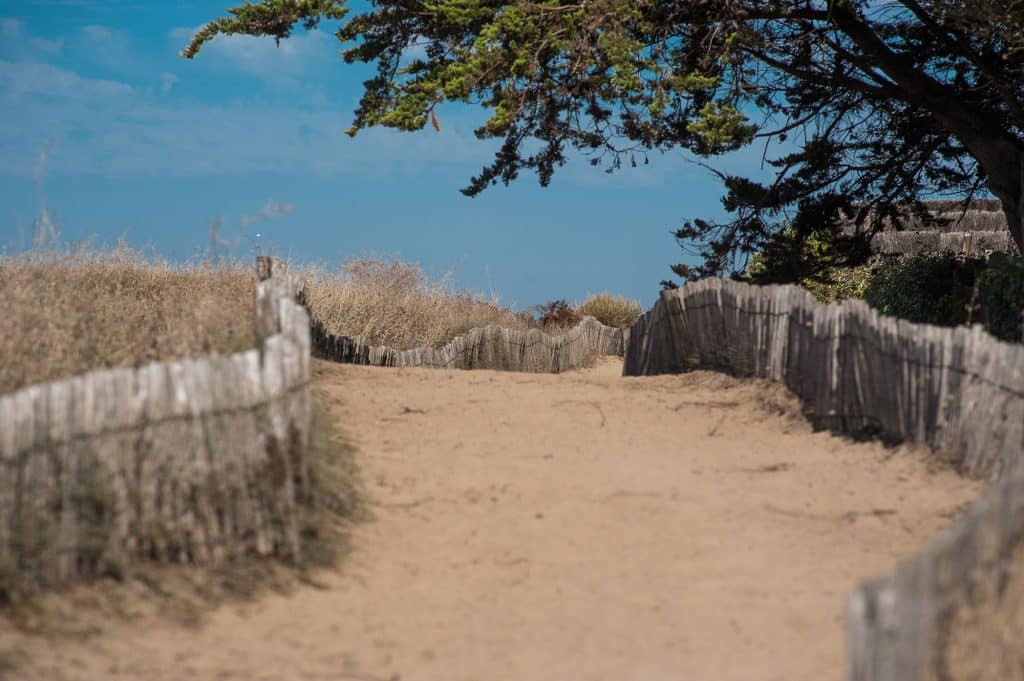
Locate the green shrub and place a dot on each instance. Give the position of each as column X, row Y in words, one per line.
column 949, row 291
column 614, row 311
column 1002, row 286
column 925, row 289
column 788, row 258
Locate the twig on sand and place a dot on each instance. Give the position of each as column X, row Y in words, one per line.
column 769, row 468
column 403, row 505
column 714, row 431
column 848, row 516
column 711, row 404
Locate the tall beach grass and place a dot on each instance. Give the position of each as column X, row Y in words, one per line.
column 65, row 313
column 395, row 303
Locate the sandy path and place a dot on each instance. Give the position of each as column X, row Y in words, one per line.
column 581, row 526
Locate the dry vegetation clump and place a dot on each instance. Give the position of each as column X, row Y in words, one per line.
column 67, row 313
column 396, row 304
column 556, row 315
column 614, row 311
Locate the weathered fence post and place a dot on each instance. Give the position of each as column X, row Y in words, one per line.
column 265, row 318
column 268, row 266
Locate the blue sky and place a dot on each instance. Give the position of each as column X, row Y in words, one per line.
column 115, row 135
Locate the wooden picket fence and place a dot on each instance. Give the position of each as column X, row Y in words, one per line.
column 195, row 461
column 488, row 347
column 952, row 611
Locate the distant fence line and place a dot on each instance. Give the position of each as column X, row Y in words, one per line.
column 489, row 347
column 952, row 607
column 196, row 461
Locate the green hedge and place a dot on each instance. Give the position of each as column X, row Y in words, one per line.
column 934, row 289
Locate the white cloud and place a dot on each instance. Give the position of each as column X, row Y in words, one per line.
column 20, row 78
column 97, row 33
column 48, row 46
column 183, row 33
column 13, row 31
column 115, row 49
column 107, row 127
column 167, row 81
column 271, row 209
column 278, row 65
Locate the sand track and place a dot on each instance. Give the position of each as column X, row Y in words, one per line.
column 582, row 526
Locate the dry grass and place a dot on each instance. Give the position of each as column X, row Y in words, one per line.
column 394, row 303
column 614, row 311
column 63, row 314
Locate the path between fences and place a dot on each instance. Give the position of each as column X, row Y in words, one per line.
column 575, row 526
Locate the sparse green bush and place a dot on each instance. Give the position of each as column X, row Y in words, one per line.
column 839, row 283
column 791, row 258
column 818, row 263
column 614, row 311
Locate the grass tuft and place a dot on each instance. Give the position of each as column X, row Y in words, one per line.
column 614, row 311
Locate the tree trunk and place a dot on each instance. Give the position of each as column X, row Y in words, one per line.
column 1016, row 219
column 1001, row 156
column 1003, row 161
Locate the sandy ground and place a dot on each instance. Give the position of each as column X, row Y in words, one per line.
column 574, row 527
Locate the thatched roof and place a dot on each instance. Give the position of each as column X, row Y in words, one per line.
column 979, row 244
column 978, row 231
